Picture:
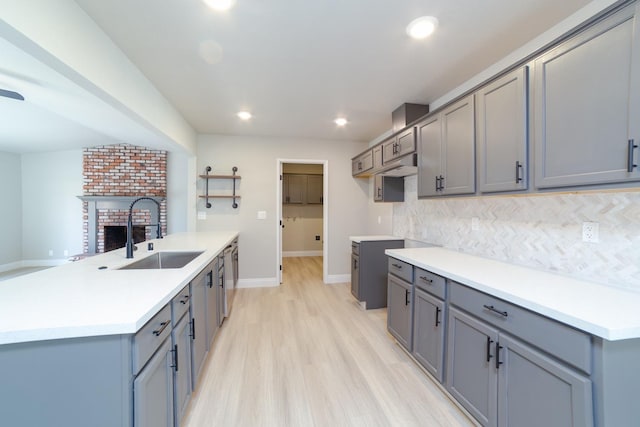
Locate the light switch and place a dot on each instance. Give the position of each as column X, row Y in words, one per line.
column 262, row 214
column 202, row 215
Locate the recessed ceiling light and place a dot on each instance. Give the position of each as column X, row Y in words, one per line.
column 422, row 27
column 244, row 115
column 340, row 121
column 219, row 4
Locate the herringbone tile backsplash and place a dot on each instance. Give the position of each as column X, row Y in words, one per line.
column 543, row 231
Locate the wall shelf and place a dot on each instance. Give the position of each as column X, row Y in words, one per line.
column 207, row 176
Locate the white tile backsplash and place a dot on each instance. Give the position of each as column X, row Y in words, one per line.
column 542, row 231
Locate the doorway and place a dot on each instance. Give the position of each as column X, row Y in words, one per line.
column 302, row 201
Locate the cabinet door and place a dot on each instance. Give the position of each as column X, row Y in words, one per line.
column 502, row 133
column 295, row 189
column 458, row 148
column 198, row 327
column 582, row 112
column 211, row 291
column 314, row 189
column 355, row 276
column 428, row 333
column 377, row 156
column 377, row 188
column 471, row 377
column 399, row 313
column 406, row 142
column 537, row 391
column 429, row 156
column 182, row 371
column 361, row 164
column 153, row 391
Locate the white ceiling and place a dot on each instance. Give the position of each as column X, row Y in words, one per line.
column 295, row 65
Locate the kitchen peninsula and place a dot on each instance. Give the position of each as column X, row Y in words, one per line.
column 78, row 341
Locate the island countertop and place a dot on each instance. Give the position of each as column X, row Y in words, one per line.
column 607, row 312
column 79, row 299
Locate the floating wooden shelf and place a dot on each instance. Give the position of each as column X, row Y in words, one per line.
column 208, row 196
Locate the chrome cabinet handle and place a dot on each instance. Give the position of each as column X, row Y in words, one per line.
column 425, row 279
column 163, row 326
column 498, row 348
column 489, row 342
column 438, row 316
column 518, row 169
column 184, row 300
column 406, row 297
column 397, row 266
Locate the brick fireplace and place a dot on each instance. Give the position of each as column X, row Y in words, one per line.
column 114, row 176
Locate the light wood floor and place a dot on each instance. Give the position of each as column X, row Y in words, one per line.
column 305, row 354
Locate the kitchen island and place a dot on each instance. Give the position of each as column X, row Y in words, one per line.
column 77, row 342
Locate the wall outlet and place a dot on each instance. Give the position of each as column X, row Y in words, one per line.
column 202, row 215
column 317, row 237
column 261, row 215
column 50, row 252
column 475, row 224
column 590, row 232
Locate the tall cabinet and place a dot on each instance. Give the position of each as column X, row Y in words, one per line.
column 587, row 106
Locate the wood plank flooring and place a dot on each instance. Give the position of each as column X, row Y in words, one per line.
column 306, row 354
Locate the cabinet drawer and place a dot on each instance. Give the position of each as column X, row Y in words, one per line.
column 180, row 305
column 401, row 269
column 562, row 341
column 429, row 282
column 147, row 340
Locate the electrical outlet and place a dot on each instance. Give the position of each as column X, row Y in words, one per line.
column 475, row 224
column 590, row 232
column 317, row 237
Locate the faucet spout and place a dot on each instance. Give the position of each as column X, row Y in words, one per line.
column 130, row 245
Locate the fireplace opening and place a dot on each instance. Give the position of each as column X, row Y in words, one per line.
column 115, row 236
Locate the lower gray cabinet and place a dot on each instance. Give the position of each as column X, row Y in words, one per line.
column 182, row 371
column 561, row 397
column 399, row 310
column 212, row 305
column 429, row 332
column 153, row 391
column 504, row 382
column 198, row 326
column 355, row 274
column 471, row 378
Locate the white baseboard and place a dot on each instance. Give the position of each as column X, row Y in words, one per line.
column 288, row 254
column 338, row 278
column 32, row 263
column 266, row 282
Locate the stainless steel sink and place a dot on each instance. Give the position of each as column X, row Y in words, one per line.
column 161, row 260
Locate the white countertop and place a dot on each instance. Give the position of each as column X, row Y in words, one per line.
column 79, row 300
column 606, row 312
column 359, row 239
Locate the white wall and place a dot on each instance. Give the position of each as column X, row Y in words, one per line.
column 181, row 192
column 10, row 208
column 51, row 211
column 256, row 159
column 302, row 223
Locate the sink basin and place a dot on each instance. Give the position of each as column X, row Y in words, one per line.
column 162, row 260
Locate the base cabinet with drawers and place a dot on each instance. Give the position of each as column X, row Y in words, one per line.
column 400, row 302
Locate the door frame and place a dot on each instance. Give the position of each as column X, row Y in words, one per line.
column 325, row 213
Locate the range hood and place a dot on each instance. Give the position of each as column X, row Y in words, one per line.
column 404, row 166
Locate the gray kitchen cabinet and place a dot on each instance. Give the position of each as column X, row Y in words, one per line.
column 377, row 156
column 388, row 189
column 198, row 326
column 212, row 305
column 502, row 133
column 314, row 189
column 362, row 165
column 369, row 271
column 153, row 390
column 400, row 309
column 399, row 145
column 494, row 374
column 471, row 378
column 446, row 151
column 294, row 186
column 587, row 104
column 562, row 396
column 429, row 332
column 182, row 373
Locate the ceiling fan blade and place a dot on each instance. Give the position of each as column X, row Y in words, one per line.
column 11, row 94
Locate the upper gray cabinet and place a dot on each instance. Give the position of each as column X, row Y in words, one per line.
column 400, row 145
column 377, row 156
column 314, row 189
column 502, row 133
column 294, row 188
column 446, row 151
column 362, row 165
column 586, row 106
